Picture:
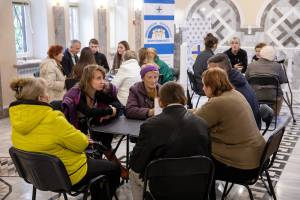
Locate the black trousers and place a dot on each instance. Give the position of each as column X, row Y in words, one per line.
column 101, row 167
column 225, row 172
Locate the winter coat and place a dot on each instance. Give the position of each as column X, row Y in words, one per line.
column 36, row 127
column 128, row 74
column 53, row 74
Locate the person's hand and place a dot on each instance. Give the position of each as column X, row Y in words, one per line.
column 91, row 141
column 114, row 111
column 151, row 112
column 104, row 118
column 238, row 65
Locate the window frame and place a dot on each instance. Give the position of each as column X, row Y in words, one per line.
column 27, row 31
column 71, row 29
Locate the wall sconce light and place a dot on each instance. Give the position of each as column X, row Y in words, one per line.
column 57, row 2
column 138, row 4
column 101, row 4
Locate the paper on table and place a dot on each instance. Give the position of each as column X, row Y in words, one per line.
column 157, row 108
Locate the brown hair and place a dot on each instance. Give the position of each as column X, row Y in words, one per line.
column 210, row 40
column 142, row 56
column 93, row 41
column 260, row 45
column 28, row 88
column 54, row 50
column 172, row 92
column 88, row 75
column 221, row 60
column 86, row 58
column 217, row 79
column 118, row 58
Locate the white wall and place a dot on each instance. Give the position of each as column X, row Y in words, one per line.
column 86, row 21
column 122, row 20
column 39, row 19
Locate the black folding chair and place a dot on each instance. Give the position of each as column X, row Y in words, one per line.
column 179, row 178
column 267, row 115
column 34, row 168
column 266, row 88
column 266, row 162
column 195, row 87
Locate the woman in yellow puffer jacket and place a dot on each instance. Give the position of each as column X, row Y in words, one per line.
column 36, row 127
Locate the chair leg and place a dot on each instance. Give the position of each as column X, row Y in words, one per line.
column 107, row 190
column 33, row 193
column 224, row 191
column 65, row 196
column 198, row 101
column 249, row 191
column 264, row 183
column 270, row 185
column 230, row 187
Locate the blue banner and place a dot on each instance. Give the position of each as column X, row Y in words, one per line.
column 159, row 28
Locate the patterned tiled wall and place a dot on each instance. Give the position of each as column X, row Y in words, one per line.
column 279, row 26
column 280, row 22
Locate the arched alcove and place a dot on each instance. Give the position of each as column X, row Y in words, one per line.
column 281, row 23
column 224, row 17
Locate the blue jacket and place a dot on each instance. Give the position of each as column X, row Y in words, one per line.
column 240, row 83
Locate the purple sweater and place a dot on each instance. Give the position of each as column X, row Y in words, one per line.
column 139, row 102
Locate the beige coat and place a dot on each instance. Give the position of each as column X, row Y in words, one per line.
column 53, row 74
column 236, row 140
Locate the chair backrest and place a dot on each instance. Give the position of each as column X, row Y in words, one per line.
column 44, row 172
column 265, row 86
column 70, row 82
column 180, row 178
column 194, row 85
column 267, row 115
column 271, row 148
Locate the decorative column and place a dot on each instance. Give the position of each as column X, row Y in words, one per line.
column 7, row 56
column 103, row 33
column 59, row 25
column 138, row 29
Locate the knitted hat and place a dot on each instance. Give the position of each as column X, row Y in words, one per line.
column 147, row 68
column 268, row 53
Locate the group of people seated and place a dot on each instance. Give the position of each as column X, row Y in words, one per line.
column 225, row 128
column 235, row 62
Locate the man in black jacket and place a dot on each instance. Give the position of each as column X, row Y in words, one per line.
column 237, row 56
column 99, row 57
column 70, row 57
column 173, row 133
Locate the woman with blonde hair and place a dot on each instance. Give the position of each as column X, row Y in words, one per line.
column 237, row 144
column 36, row 127
column 52, row 71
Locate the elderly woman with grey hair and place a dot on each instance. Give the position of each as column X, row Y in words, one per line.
column 128, row 74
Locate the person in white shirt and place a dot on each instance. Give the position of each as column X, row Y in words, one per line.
column 128, row 74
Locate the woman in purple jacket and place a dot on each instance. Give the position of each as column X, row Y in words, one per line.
column 140, row 103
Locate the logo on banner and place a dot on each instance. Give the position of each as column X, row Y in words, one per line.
column 193, row 51
column 158, row 32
